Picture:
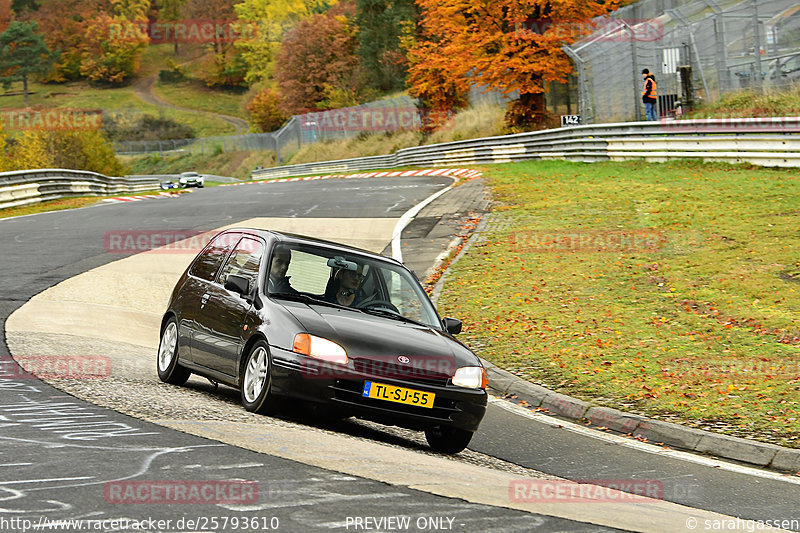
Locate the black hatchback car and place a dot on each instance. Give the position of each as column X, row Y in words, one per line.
column 280, row 315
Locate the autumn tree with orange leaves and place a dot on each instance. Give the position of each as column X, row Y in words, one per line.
column 6, row 14
column 508, row 45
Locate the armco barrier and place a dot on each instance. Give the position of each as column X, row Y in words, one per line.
column 25, row 187
column 760, row 141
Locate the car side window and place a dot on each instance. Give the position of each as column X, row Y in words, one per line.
column 244, row 261
column 404, row 297
column 208, row 262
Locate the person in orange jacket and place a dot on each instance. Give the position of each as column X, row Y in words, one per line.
column 649, row 95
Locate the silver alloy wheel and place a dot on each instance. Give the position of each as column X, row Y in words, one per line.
column 255, row 376
column 166, row 349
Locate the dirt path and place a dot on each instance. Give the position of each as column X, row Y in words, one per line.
column 144, row 91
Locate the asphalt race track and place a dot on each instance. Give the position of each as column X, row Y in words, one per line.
column 61, row 457
column 47, row 476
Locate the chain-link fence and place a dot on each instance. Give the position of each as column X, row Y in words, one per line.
column 205, row 145
column 337, row 124
column 727, row 45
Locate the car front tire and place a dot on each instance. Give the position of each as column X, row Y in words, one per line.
column 169, row 370
column 256, row 385
column 447, row 440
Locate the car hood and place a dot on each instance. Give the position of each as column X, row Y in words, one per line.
column 371, row 337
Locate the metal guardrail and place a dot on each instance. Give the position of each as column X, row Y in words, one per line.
column 760, row 141
column 25, row 187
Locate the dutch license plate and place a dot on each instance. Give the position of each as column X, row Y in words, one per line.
column 390, row 393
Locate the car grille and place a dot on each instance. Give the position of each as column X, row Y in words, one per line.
column 370, row 369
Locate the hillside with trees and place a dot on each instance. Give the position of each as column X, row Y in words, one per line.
column 202, row 67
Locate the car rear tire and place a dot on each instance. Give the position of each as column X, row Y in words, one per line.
column 169, row 370
column 256, row 386
column 448, row 440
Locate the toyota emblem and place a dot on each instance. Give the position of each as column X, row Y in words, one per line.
column 403, row 359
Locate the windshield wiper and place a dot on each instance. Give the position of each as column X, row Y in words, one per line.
column 390, row 314
column 307, row 299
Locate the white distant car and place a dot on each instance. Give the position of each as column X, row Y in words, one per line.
column 191, row 179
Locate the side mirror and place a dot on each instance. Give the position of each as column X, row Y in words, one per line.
column 452, row 325
column 238, row 284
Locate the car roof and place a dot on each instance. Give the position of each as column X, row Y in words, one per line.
column 294, row 238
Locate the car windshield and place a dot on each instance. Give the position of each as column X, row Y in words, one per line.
column 377, row 287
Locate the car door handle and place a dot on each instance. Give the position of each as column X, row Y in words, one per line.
column 204, row 299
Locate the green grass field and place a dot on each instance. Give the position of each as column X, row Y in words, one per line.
column 671, row 290
column 195, row 95
column 80, row 95
column 233, row 164
column 784, row 103
column 192, row 94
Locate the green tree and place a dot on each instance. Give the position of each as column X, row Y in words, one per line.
column 130, row 9
column 507, row 45
column 267, row 21
column 77, row 150
column 264, row 108
column 112, row 48
column 317, row 67
column 170, row 11
column 380, row 24
column 227, row 68
column 19, row 6
column 63, row 24
column 23, row 53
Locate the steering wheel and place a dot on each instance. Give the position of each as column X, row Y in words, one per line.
column 380, row 304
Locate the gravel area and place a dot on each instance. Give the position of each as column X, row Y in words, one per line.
column 198, row 400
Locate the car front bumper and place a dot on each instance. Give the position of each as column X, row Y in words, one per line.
column 342, row 388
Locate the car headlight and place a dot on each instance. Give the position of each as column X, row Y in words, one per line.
column 319, row 348
column 472, row 377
